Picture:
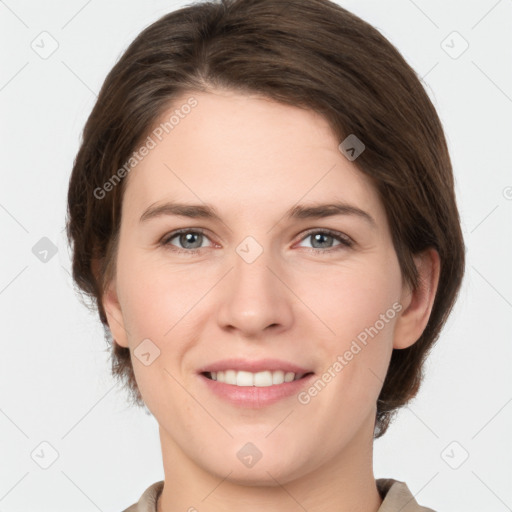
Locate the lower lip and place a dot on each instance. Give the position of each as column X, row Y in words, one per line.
column 255, row 397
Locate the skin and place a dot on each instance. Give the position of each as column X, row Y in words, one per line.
column 300, row 300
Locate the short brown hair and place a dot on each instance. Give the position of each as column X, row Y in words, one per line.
column 311, row 54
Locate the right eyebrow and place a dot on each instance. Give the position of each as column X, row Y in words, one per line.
column 192, row 211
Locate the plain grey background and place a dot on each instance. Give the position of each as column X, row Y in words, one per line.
column 68, row 434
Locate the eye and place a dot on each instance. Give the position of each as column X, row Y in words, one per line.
column 323, row 238
column 191, row 240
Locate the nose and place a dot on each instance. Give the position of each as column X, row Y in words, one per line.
column 254, row 298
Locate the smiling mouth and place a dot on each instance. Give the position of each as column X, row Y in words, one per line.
column 257, row 379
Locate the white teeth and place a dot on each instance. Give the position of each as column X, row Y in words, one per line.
column 230, row 377
column 278, row 377
column 244, row 379
column 289, row 376
column 259, row 379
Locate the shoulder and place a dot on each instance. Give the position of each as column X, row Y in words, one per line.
column 396, row 494
column 148, row 499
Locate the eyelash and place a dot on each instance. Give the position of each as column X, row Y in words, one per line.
column 345, row 241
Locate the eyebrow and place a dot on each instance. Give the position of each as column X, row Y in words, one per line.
column 206, row 211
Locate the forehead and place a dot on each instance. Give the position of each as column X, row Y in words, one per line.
column 243, row 153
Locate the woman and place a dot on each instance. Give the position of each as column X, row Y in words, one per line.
column 263, row 210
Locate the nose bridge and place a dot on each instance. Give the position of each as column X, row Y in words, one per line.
column 251, row 266
column 254, row 297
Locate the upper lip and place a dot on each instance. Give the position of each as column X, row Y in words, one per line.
column 253, row 366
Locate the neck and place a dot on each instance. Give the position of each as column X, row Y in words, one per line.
column 345, row 483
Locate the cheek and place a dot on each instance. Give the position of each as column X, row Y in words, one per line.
column 361, row 306
column 156, row 296
column 353, row 299
column 155, row 305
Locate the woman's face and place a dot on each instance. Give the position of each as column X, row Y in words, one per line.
column 257, row 288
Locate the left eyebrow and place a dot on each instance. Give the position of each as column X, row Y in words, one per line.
column 328, row 210
column 206, row 211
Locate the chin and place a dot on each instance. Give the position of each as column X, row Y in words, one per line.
column 265, row 476
column 270, row 470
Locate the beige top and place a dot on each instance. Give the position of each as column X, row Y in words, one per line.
column 395, row 494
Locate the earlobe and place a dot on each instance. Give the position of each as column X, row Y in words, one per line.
column 418, row 303
column 115, row 315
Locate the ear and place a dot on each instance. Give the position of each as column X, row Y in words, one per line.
column 115, row 315
column 417, row 304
